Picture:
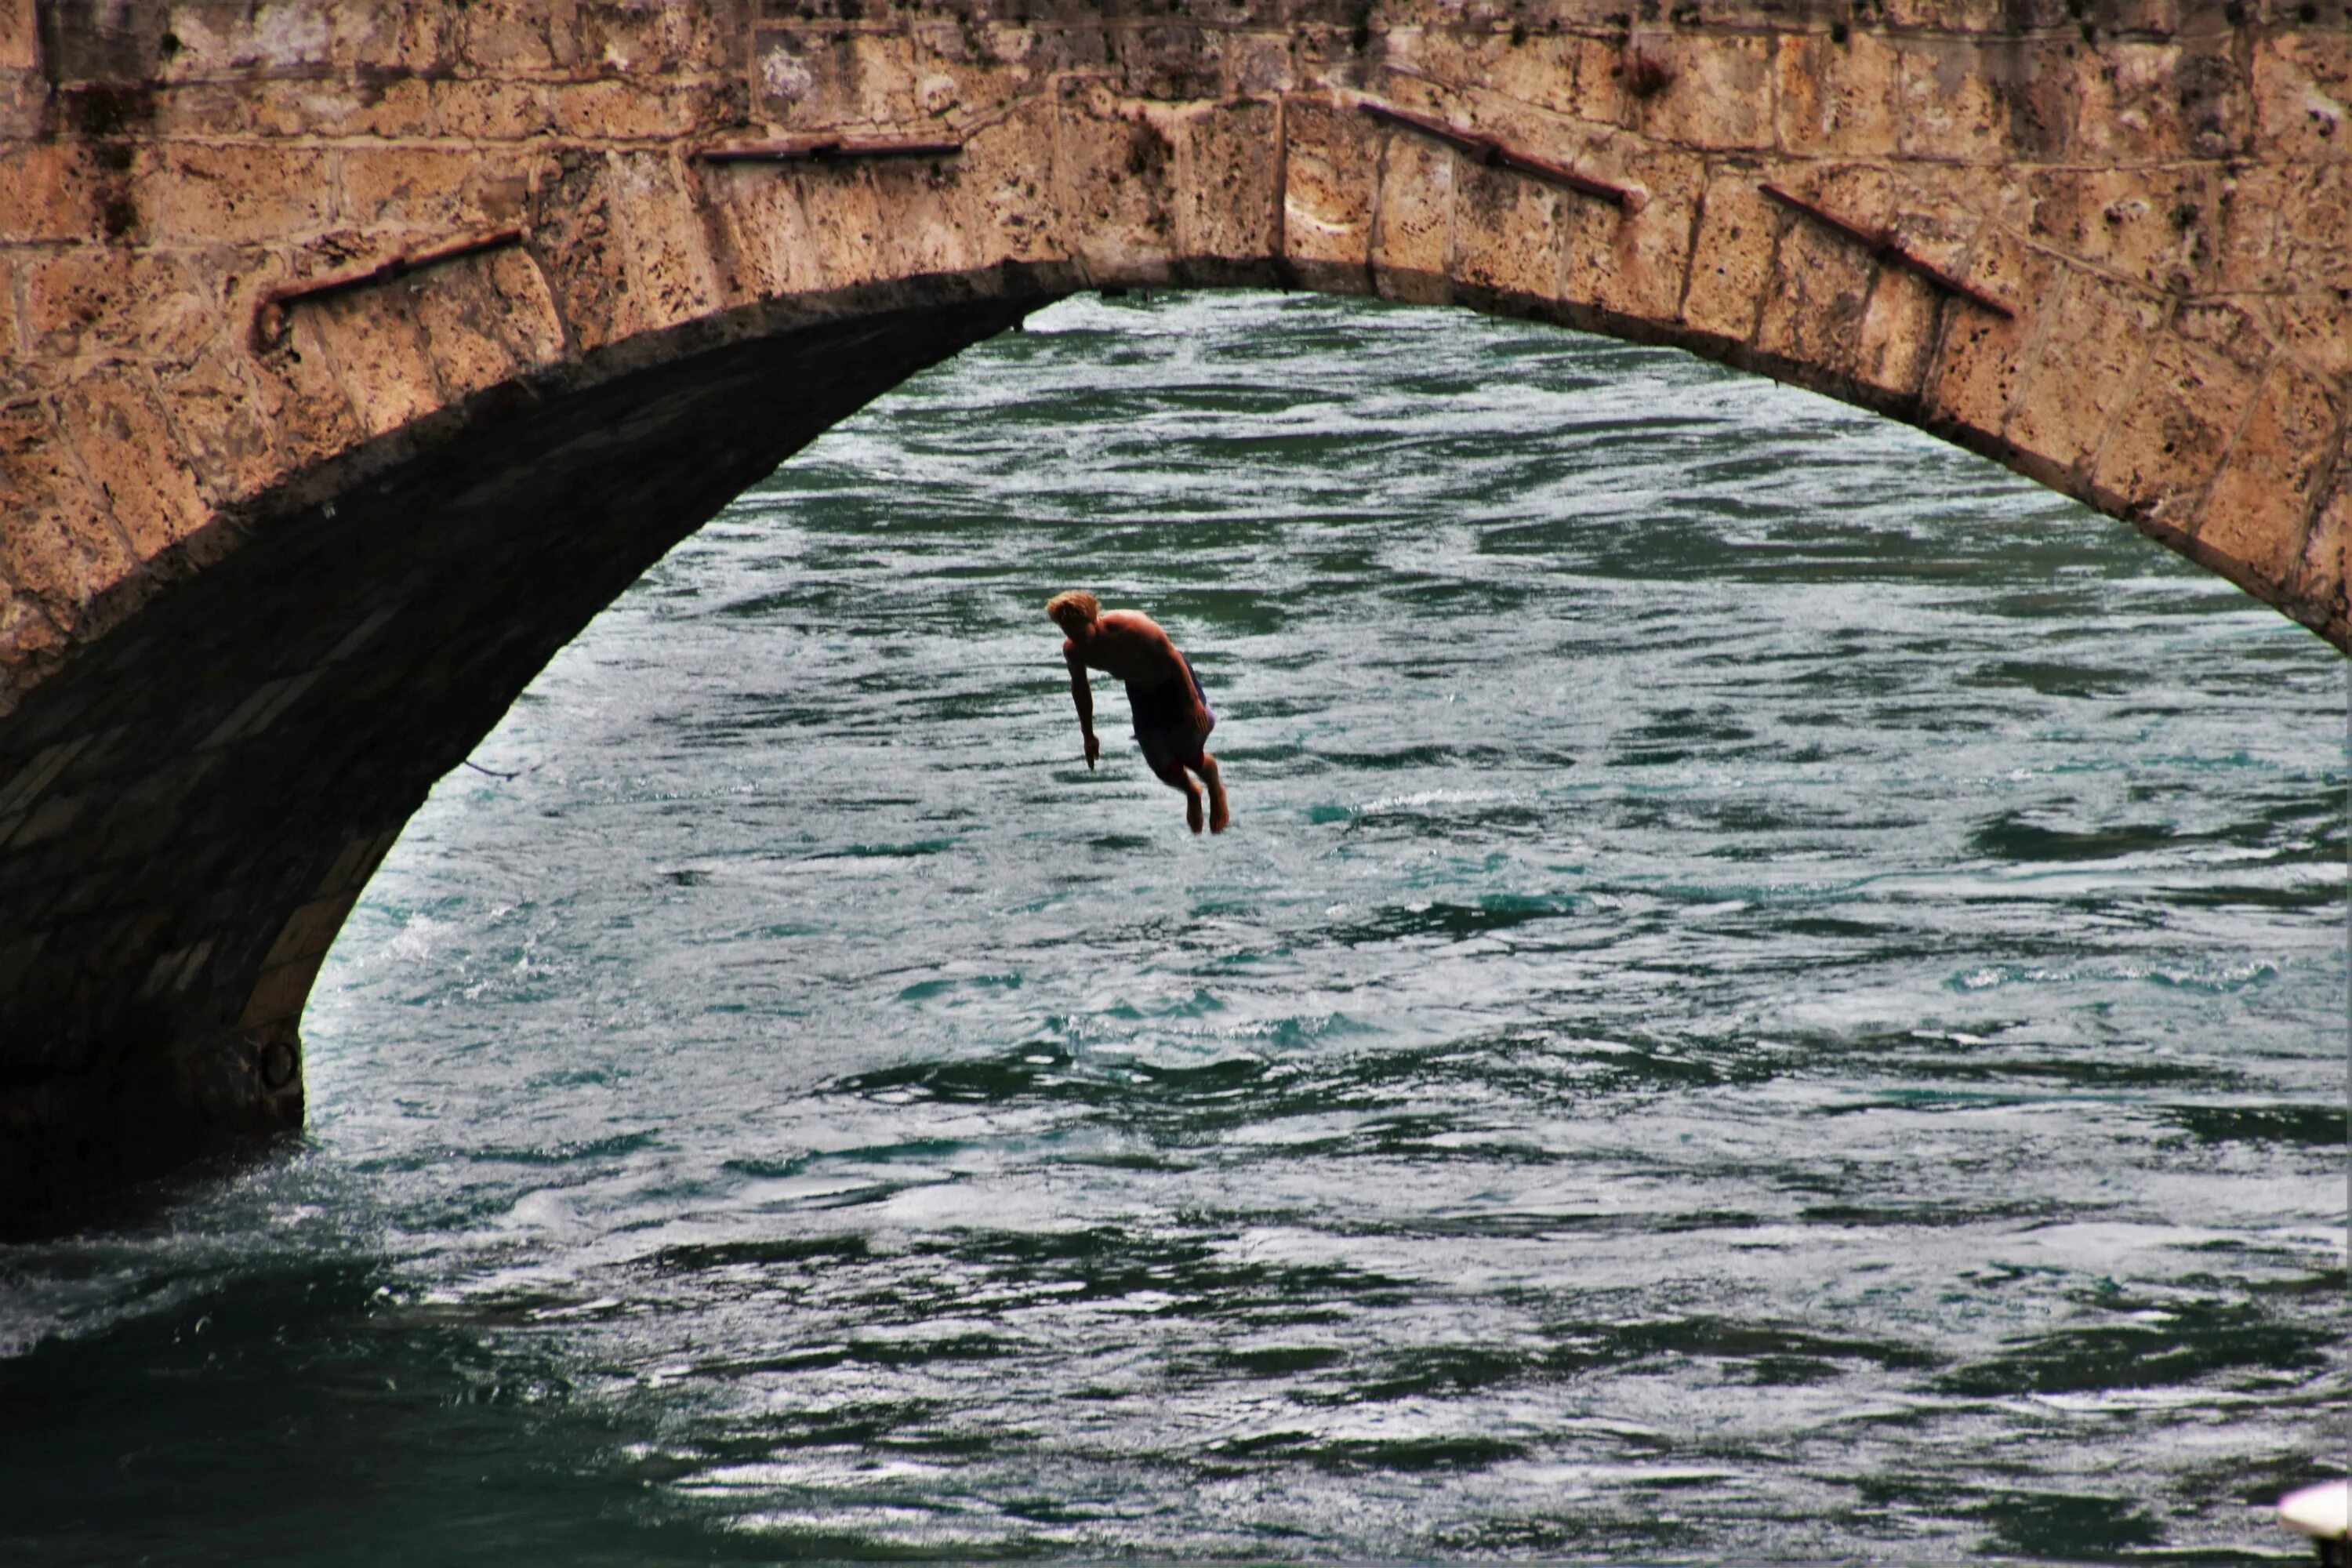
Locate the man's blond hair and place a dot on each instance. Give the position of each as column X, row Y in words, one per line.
column 1077, row 599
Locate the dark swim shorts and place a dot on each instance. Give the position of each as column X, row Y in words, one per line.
column 1163, row 722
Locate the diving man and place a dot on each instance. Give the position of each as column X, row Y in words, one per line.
column 1171, row 714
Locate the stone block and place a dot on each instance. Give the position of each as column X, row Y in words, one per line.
column 29, row 639
column 1330, row 158
column 2154, row 226
column 208, row 111
column 1002, row 199
column 355, row 863
column 772, row 247
column 2283, row 229
column 310, row 930
column 20, row 36
column 425, row 196
column 214, row 405
column 252, row 42
column 237, row 195
column 1175, row 63
column 1980, row 367
column 62, row 544
column 1835, row 99
column 128, row 446
column 617, row 112
column 22, row 787
column 146, row 816
column 1731, row 260
column 2316, row 326
column 371, row 338
column 2301, row 92
column 1509, row 236
column 669, row 274
column 2318, row 589
column 632, row 40
column 493, row 110
column 458, row 311
column 1228, row 195
column 93, row 299
column 303, row 409
column 362, row 106
column 2154, row 18
column 2307, row 236
column 259, row 709
column 2098, row 336
column 176, row 969
column 280, row 993
column 1632, row 265
column 527, row 319
column 2214, row 96
column 803, row 78
column 1563, row 73
column 1996, row 194
column 2132, row 105
column 1822, row 284
column 2229, row 329
column 1115, row 174
column 1717, row 95
column 2170, row 440
column 623, row 244
column 54, row 193
column 511, row 38
column 1947, row 106
column 1950, row 15
column 2265, row 493
column 1412, row 222
column 50, row 820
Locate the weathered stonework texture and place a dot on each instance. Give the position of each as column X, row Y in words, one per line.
column 271, row 560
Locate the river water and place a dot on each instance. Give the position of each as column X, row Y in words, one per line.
column 1774, row 992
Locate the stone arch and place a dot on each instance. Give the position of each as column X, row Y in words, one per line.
column 362, row 354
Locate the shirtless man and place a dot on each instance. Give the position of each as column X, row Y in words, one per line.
column 1171, row 714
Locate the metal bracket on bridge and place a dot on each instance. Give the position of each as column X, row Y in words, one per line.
column 1486, row 150
column 825, row 150
column 1884, row 245
column 271, row 318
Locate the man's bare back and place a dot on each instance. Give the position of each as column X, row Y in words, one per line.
column 1172, row 719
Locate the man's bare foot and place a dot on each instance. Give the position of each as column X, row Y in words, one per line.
column 1192, row 811
column 1219, row 817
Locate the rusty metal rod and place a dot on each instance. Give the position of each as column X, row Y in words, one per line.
column 830, row 149
column 1882, row 245
column 270, row 316
column 1486, row 150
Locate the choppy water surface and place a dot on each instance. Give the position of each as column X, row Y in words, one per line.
column 1775, row 991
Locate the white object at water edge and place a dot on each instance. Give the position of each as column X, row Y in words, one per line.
column 2323, row 1511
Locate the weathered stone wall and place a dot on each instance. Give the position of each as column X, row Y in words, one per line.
column 271, row 561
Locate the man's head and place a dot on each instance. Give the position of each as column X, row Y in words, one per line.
column 1073, row 612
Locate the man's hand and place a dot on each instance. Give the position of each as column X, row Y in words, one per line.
column 1093, row 750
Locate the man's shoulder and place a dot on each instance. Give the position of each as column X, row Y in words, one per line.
column 1128, row 621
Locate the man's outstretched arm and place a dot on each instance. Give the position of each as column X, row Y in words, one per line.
column 1083, row 695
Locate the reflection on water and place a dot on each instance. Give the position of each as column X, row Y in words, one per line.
column 1775, row 992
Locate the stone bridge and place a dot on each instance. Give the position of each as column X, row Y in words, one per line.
column 358, row 351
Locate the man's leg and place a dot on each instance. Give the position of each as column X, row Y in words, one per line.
column 1218, row 816
column 1173, row 776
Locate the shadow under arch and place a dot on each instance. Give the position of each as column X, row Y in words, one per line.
column 202, row 792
